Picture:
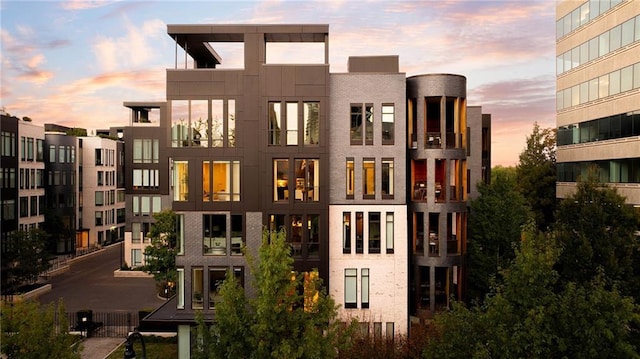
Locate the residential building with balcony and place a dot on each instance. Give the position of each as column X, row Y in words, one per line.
column 9, row 167
column 368, row 172
column 598, row 94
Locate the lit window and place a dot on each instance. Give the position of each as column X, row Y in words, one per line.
column 307, row 174
column 359, row 232
column 368, row 178
column 180, row 181
column 350, row 175
column 281, row 180
column 214, row 239
column 221, row 181
column 197, row 284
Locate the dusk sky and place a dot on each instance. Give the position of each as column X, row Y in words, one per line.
column 75, row 62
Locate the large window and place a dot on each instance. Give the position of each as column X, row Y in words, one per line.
column 307, row 174
column 369, row 178
column 24, row 206
column 180, row 181
column 356, row 126
column 346, row 232
column 281, row 180
column 350, row 288
column 221, row 181
column 197, row 288
column 136, row 257
column 389, row 232
column 368, row 129
column 146, row 205
column 275, row 123
column 313, row 239
column 311, row 123
column 216, row 278
column 388, row 120
column 364, row 287
column 214, row 239
column 30, row 149
column 350, row 176
column 146, row 178
column 374, row 232
column 218, row 234
column 292, row 123
column 9, row 144
column 99, row 200
column 387, row 178
column 180, row 288
column 98, row 218
column 146, row 150
column 189, row 122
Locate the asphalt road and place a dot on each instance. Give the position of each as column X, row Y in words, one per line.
column 89, row 284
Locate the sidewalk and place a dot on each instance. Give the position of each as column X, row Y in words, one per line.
column 99, row 348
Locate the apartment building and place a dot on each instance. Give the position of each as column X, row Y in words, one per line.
column 368, row 253
column 22, row 184
column 360, row 169
column 598, row 94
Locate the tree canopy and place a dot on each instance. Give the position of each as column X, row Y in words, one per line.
column 528, row 317
column 597, row 232
column 536, row 174
column 291, row 315
column 24, row 257
column 495, row 224
column 160, row 260
column 32, row 331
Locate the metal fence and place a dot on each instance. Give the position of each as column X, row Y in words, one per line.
column 103, row 324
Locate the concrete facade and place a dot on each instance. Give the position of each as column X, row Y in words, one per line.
column 598, row 94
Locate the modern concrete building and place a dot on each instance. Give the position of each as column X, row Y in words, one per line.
column 371, row 191
column 598, row 94
column 448, row 154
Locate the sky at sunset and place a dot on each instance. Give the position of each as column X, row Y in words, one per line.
column 75, row 62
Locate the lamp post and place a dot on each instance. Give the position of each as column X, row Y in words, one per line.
column 129, row 353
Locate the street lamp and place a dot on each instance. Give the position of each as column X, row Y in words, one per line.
column 129, row 353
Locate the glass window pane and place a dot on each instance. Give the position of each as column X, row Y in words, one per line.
column 311, row 123
column 594, row 48
column 615, row 37
column 594, row 9
column 627, row 32
column 604, row 44
column 603, row 82
column 274, row 123
column 593, row 90
column 614, row 82
column 584, row 53
column 292, row 123
column 368, row 124
column 559, row 65
column 636, row 76
column 575, row 95
column 637, row 36
column 199, row 122
column 217, row 123
column 356, row 124
column 350, row 176
column 389, row 232
column 350, row 287
column 231, row 123
column 575, row 57
column 179, row 123
column 584, row 92
column 368, row 177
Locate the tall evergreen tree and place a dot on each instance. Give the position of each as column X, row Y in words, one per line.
column 597, row 232
column 536, row 175
column 495, row 224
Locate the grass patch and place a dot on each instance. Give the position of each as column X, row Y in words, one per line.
column 157, row 348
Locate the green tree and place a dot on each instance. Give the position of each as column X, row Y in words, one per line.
column 597, row 231
column 291, row 315
column 527, row 316
column 32, row 331
column 495, row 225
column 24, row 257
column 536, row 175
column 161, row 253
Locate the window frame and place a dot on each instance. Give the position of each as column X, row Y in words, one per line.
column 350, row 288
